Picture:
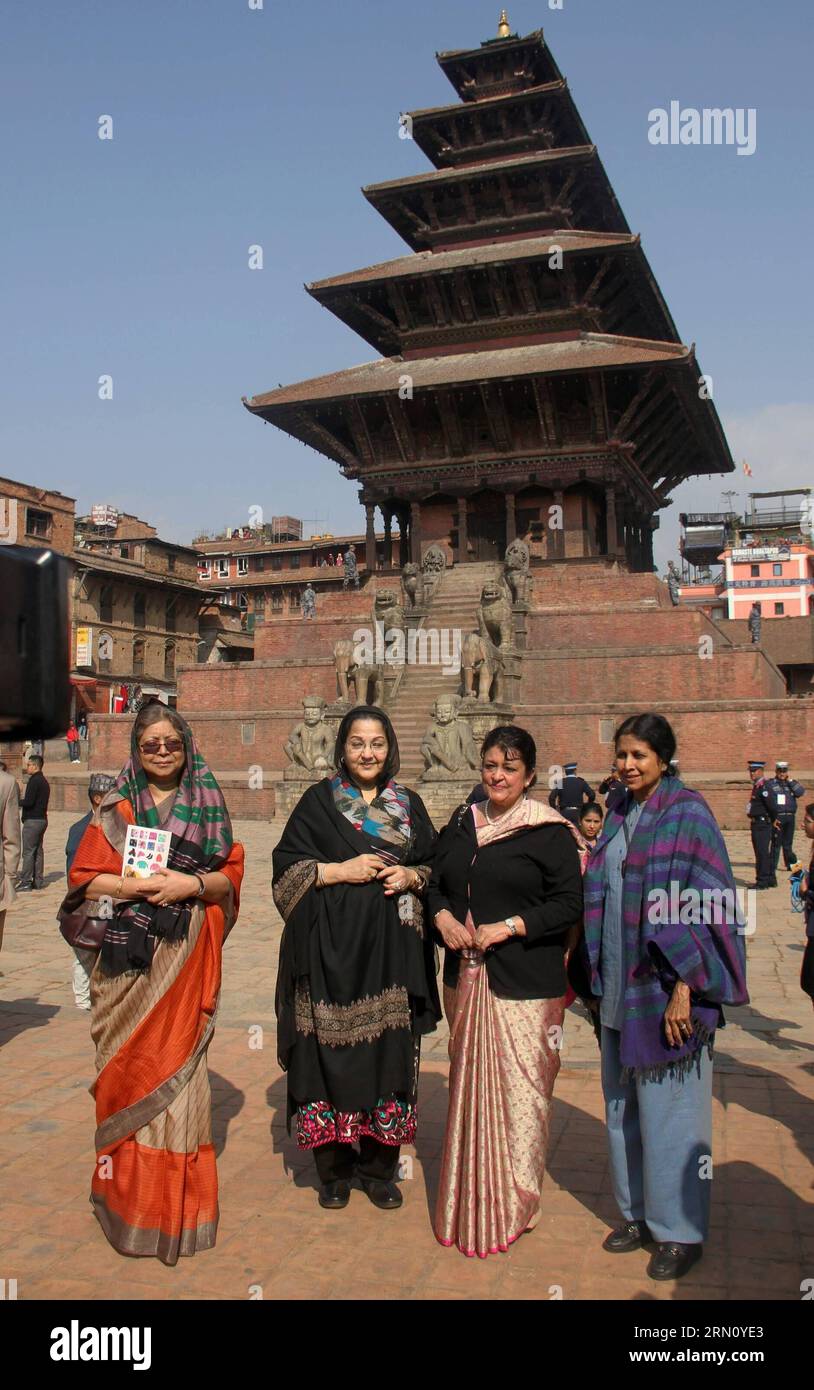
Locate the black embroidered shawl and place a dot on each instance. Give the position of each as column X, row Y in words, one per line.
column 356, row 979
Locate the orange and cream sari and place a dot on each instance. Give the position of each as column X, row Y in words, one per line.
column 155, row 1188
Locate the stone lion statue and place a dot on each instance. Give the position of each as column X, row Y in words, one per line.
column 495, row 616
column 516, row 571
column 387, row 610
column 412, row 582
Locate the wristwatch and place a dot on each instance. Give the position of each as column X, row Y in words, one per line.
column 510, row 923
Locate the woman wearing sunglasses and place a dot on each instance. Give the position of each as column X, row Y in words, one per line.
column 154, row 991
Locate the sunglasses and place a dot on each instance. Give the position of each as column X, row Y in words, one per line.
column 153, row 745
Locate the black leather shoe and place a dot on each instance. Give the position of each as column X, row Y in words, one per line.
column 382, row 1194
column 670, row 1261
column 334, row 1195
column 632, row 1236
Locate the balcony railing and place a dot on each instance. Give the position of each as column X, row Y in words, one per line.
column 786, row 516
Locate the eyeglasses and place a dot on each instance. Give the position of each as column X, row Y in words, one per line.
column 153, row 745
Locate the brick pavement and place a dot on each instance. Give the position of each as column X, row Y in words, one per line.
column 273, row 1234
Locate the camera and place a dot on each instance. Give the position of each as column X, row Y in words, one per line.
column 35, row 691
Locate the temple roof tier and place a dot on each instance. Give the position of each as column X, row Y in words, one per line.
column 499, row 66
column 537, row 119
column 591, row 393
column 427, row 302
column 524, row 195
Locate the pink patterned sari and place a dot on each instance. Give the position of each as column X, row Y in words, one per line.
column 505, row 1056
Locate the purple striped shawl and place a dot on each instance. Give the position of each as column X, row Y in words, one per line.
column 676, row 842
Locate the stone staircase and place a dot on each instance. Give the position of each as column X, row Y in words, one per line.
column 454, row 604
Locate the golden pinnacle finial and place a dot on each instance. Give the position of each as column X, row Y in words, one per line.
column 504, row 28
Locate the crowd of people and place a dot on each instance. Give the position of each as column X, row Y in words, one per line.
column 535, row 904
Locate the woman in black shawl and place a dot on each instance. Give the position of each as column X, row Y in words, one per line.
column 356, row 980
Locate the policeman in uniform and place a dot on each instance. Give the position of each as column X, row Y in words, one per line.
column 613, row 789
column 762, row 813
column 574, row 793
column 787, row 793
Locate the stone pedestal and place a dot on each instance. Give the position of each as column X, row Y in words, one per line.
column 483, row 718
column 288, row 792
column 520, row 613
column 296, row 773
column 441, row 798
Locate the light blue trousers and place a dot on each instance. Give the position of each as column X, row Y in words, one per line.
column 660, row 1140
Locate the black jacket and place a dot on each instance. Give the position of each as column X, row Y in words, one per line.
column 34, row 804
column 762, row 803
column 534, row 875
column 570, row 799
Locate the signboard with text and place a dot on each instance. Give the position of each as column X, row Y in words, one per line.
column 84, row 646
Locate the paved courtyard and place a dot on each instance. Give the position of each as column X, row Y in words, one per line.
column 274, row 1240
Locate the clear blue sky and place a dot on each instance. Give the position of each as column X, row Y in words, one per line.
column 235, row 126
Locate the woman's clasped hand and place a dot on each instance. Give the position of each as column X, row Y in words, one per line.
column 165, row 886
column 459, row 937
column 455, row 935
column 364, row 868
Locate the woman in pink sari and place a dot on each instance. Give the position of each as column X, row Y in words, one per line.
column 506, row 897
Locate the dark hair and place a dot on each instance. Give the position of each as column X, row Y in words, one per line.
column 510, row 738
column 35, row 758
column 156, row 713
column 653, row 729
column 590, row 809
column 809, row 810
column 391, row 763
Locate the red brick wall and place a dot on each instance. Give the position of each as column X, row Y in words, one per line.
column 713, row 738
column 590, row 585
column 218, row 735
column 255, row 685
column 789, row 641
column 60, row 507
column 620, row 628
column 314, row 637
column 640, row 679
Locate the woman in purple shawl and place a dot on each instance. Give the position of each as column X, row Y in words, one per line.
column 665, row 950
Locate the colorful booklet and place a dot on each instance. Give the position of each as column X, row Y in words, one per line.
column 145, row 850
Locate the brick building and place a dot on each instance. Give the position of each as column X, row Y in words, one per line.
column 36, row 516
column 135, row 606
column 263, row 577
column 133, row 598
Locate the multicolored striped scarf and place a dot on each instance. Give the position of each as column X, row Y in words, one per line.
column 697, row 938
column 387, row 818
column 201, row 840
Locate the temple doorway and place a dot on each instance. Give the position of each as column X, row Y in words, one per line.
column 486, row 526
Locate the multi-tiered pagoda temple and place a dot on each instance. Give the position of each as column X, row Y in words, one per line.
column 531, row 380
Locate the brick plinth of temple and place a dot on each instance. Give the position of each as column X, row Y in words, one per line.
column 601, row 644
